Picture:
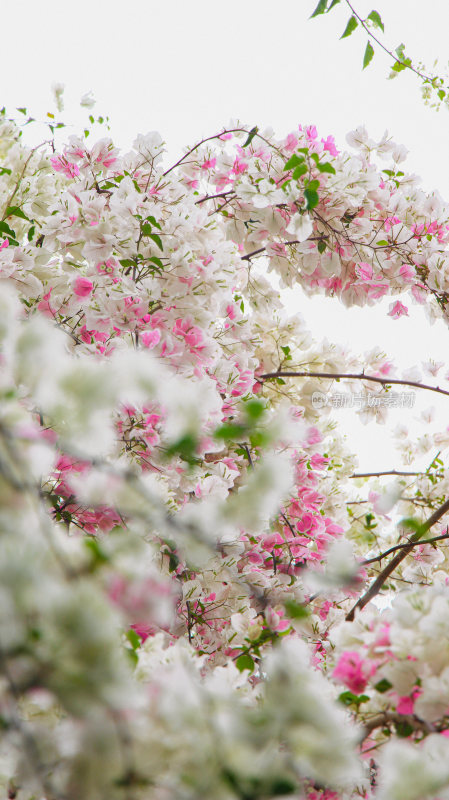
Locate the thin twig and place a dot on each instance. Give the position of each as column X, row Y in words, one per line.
column 376, row 586
column 386, row 472
column 401, row 546
column 350, row 376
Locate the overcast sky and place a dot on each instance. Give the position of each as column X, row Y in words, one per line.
column 187, row 68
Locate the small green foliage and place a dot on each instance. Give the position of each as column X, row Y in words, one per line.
column 281, row 785
column 254, row 409
column 157, row 240
column 383, row 686
column 157, row 261
column 299, row 171
column 229, row 431
column 295, row 610
column 293, row 162
column 326, row 167
column 350, row 27
column 321, row 246
column 320, row 9
column 375, row 18
column 185, row 448
column 153, row 222
column 251, row 136
column 311, row 197
column 414, row 525
column 245, row 662
column 369, row 53
column 350, row 699
column 133, row 639
column 97, row 553
column 15, row 211
column 370, row 523
column 403, row 729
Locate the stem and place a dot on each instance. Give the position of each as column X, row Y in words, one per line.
column 203, row 141
column 387, row 472
column 353, row 376
column 424, row 78
column 386, row 717
column 401, row 546
column 375, row 587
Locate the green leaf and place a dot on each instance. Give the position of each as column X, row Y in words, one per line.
column 228, row 431
column 185, row 448
column 293, row 162
column 258, row 438
column 320, row 9
column 96, row 551
column 282, row 786
column 133, row 638
column 332, row 5
column 153, row 222
column 4, row 228
column 441, row 94
column 383, row 686
column 24, row 111
column 326, row 167
column 369, row 52
column 313, row 185
column 299, row 171
column 403, row 729
column 5, row 171
column 349, row 699
column 254, row 409
column 127, row 262
column 31, row 232
column 251, row 136
column 295, row 610
column 321, row 246
column 399, row 66
column 15, row 211
column 245, row 662
column 157, row 239
column 350, row 27
column 374, row 16
column 157, row 261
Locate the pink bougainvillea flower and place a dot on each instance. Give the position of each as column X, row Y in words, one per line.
column 353, row 671
column 210, row 164
column 60, row 164
column 364, row 271
column 397, row 310
column 151, row 338
column 82, row 287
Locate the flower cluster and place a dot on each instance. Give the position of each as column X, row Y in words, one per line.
column 177, row 555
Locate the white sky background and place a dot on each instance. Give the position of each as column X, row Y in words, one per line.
column 187, row 68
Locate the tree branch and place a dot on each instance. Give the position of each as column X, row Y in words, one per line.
column 401, row 546
column 350, row 376
column 425, row 78
column 386, row 717
column 386, row 472
column 375, row 587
